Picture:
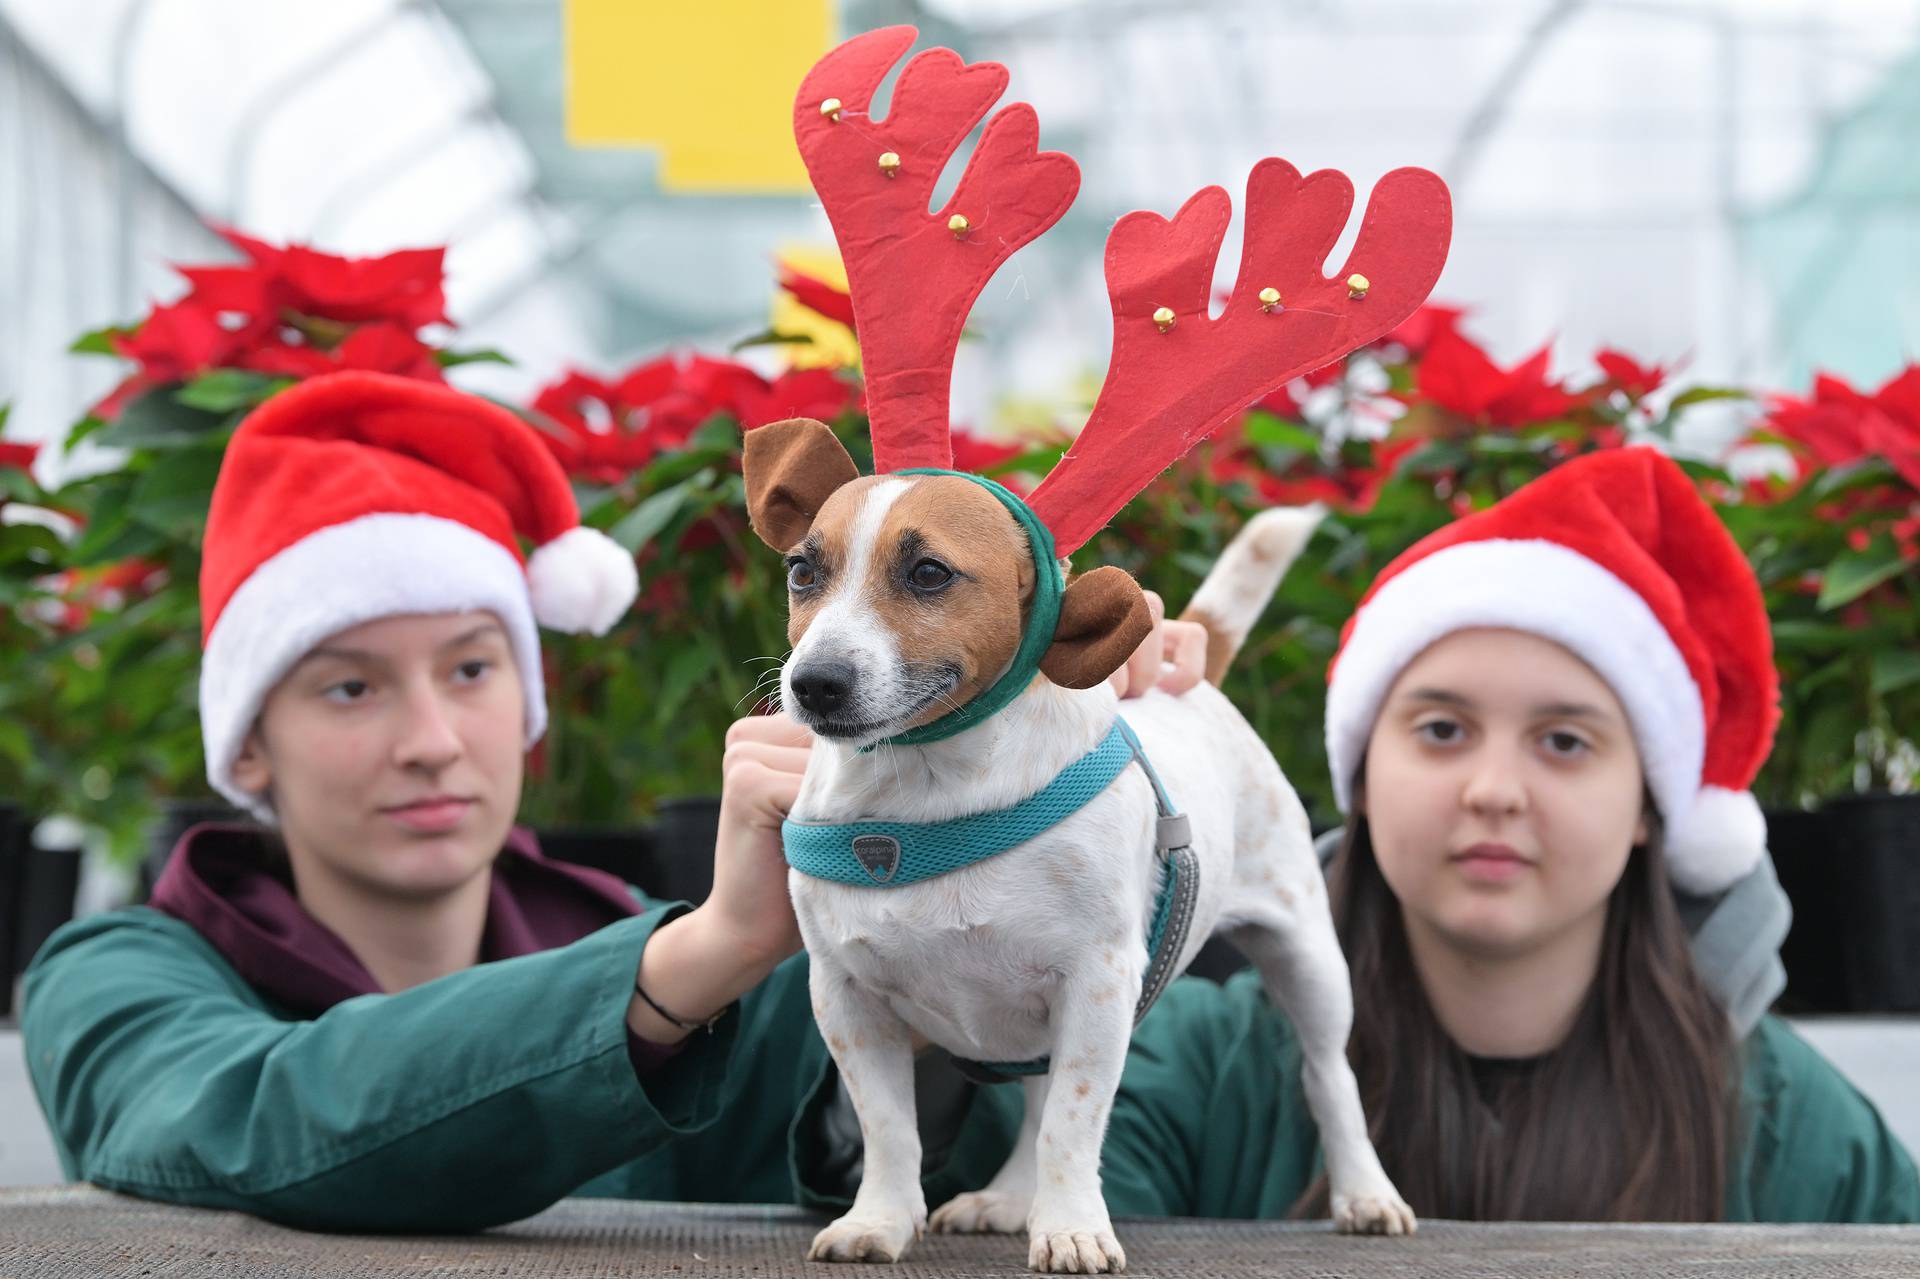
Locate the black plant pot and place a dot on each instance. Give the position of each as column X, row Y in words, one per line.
column 1852, row 871
column 37, row 889
column 13, row 843
column 625, row 851
column 671, row 860
column 685, row 831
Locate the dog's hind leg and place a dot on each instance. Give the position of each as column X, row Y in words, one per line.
column 1002, row 1207
column 874, row 1052
column 1291, row 941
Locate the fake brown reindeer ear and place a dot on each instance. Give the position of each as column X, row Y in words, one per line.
column 791, row 469
column 1103, row 619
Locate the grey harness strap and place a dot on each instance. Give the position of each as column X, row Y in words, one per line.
column 1167, row 931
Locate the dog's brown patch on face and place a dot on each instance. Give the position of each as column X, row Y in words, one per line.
column 827, row 548
column 973, row 623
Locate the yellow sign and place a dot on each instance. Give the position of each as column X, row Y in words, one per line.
column 709, row 82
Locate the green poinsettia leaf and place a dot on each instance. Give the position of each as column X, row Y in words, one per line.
column 1855, row 573
column 156, row 420
column 1274, row 431
column 650, row 517
column 453, row 359
column 1894, row 669
column 1703, row 394
column 100, row 341
column 228, row 390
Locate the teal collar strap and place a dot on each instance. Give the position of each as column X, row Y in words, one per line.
column 889, row 854
column 1048, row 586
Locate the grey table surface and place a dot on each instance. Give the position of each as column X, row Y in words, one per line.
column 77, row 1230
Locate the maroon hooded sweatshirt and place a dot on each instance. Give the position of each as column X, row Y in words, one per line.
column 222, row 880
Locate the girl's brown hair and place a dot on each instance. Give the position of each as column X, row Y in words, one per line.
column 1629, row 1119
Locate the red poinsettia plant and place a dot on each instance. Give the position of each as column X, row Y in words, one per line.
column 1833, row 530
column 1394, row 441
column 285, row 313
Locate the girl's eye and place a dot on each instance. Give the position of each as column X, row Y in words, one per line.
column 930, row 575
column 347, row 690
column 471, row 672
column 1440, row 731
column 800, row 575
column 1565, row 744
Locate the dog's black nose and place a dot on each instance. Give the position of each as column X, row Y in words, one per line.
column 823, row 686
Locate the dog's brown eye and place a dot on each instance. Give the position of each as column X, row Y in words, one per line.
column 799, row 575
column 930, row 575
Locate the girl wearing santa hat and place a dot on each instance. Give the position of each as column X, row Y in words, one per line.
column 382, row 1008
column 1542, row 722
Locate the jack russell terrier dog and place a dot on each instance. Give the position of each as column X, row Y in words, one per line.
column 908, row 595
column 984, row 850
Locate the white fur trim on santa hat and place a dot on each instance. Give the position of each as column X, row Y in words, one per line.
column 1722, row 837
column 371, row 567
column 1544, row 589
column 582, row 581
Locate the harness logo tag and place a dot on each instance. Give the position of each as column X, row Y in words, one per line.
column 878, row 855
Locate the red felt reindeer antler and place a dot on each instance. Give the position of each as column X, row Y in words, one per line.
column 914, row 275
column 1177, row 375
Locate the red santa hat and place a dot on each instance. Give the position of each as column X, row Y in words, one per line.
column 357, row 496
column 1617, row 558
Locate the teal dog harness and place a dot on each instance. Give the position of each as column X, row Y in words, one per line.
column 890, row 854
column 886, row 854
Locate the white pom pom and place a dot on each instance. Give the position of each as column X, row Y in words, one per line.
column 581, row 581
column 1720, row 839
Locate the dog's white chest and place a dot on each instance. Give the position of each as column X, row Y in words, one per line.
column 972, row 958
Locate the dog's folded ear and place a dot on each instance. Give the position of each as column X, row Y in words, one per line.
column 791, row 469
column 1103, row 619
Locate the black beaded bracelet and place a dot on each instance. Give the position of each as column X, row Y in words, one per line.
column 706, row 1025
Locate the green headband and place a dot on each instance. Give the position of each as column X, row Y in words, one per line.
column 1049, row 584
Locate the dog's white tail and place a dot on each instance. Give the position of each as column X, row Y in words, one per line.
column 1245, row 577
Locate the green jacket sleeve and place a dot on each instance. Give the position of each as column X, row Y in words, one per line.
column 1815, row 1150
column 469, row 1101
column 767, row 1145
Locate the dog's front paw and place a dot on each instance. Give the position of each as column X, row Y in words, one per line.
column 1076, row 1252
column 1382, row 1212
column 981, row 1212
column 863, row 1239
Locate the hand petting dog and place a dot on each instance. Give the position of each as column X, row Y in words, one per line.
column 1173, row 659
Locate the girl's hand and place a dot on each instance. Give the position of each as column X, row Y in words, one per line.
column 759, row 781
column 698, row 964
column 1173, row 658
